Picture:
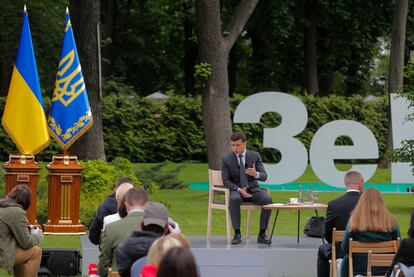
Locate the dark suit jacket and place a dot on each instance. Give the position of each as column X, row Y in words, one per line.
column 338, row 212
column 405, row 254
column 230, row 170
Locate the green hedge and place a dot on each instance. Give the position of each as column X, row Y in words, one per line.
column 145, row 130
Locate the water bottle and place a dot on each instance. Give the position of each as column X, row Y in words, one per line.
column 93, row 270
column 300, row 194
column 310, row 195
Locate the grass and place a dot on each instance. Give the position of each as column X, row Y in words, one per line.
column 189, row 209
column 198, row 172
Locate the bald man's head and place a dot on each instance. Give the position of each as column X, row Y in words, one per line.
column 354, row 180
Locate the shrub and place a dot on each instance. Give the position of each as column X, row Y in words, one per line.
column 99, row 179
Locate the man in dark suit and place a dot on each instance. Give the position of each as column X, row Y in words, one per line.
column 337, row 215
column 241, row 169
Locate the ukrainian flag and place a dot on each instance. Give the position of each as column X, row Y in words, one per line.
column 70, row 114
column 24, row 118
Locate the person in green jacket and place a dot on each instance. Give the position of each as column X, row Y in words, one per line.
column 370, row 221
column 18, row 241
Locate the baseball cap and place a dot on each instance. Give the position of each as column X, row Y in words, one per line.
column 156, row 213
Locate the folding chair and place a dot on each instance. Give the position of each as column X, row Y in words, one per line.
column 375, row 247
column 382, row 260
column 337, row 236
column 113, row 273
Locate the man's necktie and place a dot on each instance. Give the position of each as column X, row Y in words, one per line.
column 243, row 179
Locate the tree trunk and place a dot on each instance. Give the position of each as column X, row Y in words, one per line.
column 353, row 86
column 6, row 73
column 190, row 56
column 214, row 49
column 109, row 32
column 232, row 68
column 85, row 16
column 215, row 98
column 396, row 67
column 311, row 48
column 258, row 60
column 326, row 82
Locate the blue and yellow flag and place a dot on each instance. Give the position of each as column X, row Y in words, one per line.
column 24, row 118
column 70, row 114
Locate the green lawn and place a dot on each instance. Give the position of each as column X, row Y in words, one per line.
column 198, row 172
column 189, row 209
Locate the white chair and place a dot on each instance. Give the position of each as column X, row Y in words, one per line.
column 216, row 185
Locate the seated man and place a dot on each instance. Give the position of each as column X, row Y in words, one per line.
column 240, row 170
column 108, row 207
column 154, row 225
column 136, row 200
column 18, row 242
column 337, row 215
column 119, row 196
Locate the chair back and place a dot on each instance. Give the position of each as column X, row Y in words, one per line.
column 214, row 177
column 112, row 273
column 375, row 247
column 337, row 236
column 382, row 260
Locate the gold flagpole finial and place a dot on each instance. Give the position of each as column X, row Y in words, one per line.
column 67, row 10
column 24, row 8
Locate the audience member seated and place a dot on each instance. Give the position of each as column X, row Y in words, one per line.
column 181, row 238
column 369, row 222
column 156, row 253
column 107, row 207
column 405, row 254
column 337, row 215
column 119, row 195
column 136, row 200
column 154, row 225
column 139, row 264
column 178, row 262
column 18, row 241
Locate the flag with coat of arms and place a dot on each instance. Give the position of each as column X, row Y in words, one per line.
column 70, row 114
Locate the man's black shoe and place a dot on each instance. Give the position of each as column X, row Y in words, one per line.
column 236, row 239
column 262, row 238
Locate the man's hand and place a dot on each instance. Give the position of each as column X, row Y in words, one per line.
column 244, row 193
column 251, row 171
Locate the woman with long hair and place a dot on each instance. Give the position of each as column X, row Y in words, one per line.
column 178, row 262
column 370, row 221
column 156, row 253
column 405, row 253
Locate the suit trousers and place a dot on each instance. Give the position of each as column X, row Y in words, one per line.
column 259, row 197
column 27, row 262
column 324, row 255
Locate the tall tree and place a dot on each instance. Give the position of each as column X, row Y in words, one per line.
column 311, row 39
column 85, row 17
column 396, row 69
column 214, row 49
column 109, row 29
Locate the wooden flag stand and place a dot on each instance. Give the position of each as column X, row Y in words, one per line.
column 23, row 170
column 64, row 196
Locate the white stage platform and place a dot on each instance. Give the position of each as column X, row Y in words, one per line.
column 284, row 258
